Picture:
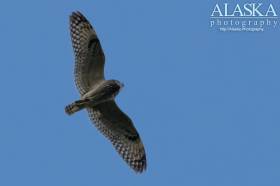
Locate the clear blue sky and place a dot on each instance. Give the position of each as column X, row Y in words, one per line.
column 206, row 103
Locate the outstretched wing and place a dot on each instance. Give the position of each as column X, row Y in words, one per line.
column 89, row 56
column 119, row 129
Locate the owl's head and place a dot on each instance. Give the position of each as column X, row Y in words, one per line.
column 120, row 84
column 115, row 86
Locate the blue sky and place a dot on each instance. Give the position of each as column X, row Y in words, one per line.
column 206, row 103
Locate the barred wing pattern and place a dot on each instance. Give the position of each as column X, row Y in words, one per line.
column 89, row 56
column 119, row 129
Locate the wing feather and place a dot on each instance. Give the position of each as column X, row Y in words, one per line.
column 89, row 56
column 119, row 129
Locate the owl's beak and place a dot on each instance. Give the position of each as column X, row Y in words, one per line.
column 122, row 85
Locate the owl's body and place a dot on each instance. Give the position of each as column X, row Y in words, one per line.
column 98, row 95
column 107, row 90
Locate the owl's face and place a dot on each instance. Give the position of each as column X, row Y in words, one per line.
column 120, row 84
column 115, row 87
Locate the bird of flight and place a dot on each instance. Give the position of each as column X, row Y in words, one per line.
column 98, row 95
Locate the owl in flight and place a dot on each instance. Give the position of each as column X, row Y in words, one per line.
column 98, row 95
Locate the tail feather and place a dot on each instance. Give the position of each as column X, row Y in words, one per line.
column 74, row 107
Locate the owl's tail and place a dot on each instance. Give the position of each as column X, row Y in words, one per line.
column 75, row 107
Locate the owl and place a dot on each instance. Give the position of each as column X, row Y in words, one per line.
column 98, row 95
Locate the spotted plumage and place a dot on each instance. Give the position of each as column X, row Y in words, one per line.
column 98, row 95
